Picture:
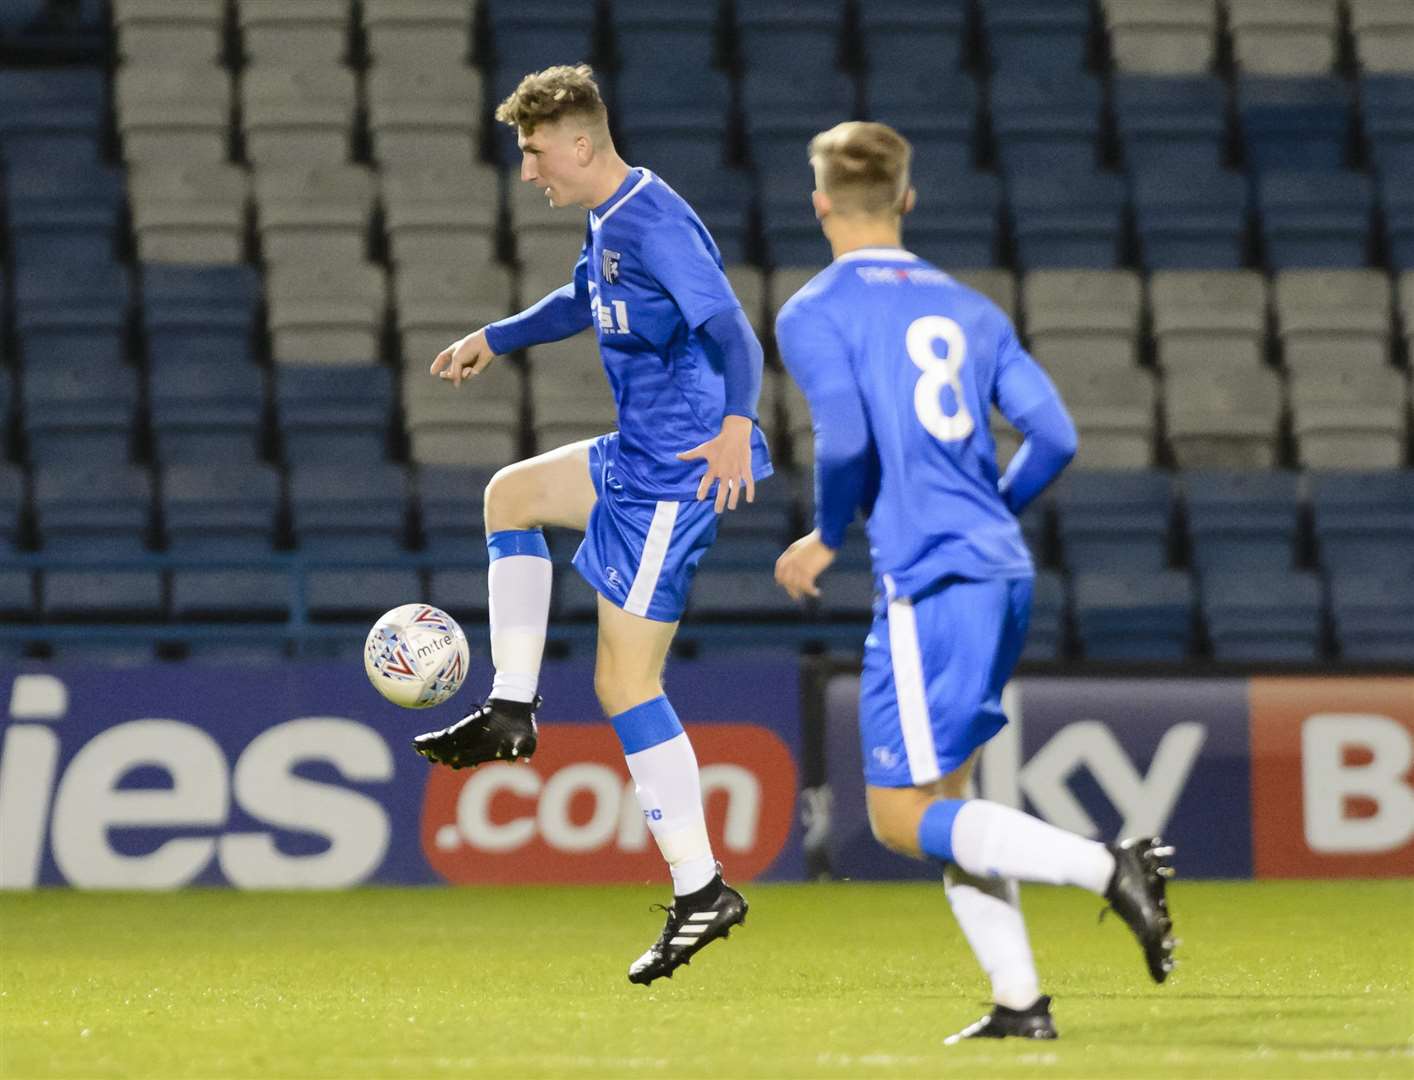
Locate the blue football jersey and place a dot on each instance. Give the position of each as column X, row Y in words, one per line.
column 654, row 277
column 901, row 362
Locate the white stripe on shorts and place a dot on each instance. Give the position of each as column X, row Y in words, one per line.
column 655, row 550
column 913, row 716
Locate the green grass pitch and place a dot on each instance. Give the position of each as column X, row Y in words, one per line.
column 842, row 980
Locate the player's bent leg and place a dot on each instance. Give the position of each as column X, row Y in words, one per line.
column 660, row 758
column 554, row 488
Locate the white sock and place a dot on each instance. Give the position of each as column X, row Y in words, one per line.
column 990, row 840
column 989, row 912
column 519, row 588
column 669, row 791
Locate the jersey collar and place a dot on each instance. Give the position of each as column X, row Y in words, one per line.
column 883, row 254
column 600, row 214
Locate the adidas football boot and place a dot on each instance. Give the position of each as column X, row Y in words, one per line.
column 691, row 926
column 1001, row 1023
column 1136, row 894
column 499, row 730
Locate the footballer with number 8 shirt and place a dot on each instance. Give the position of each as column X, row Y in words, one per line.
column 685, row 370
column 901, row 366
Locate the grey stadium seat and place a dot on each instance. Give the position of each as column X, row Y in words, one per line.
column 1162, row 37
column 1085, row 309
column 1350, row 417
column 318, row 213
column 101, row 595
column 326, row 314
column 1333, row 318
column 749, row 285
column 1114, row 412
column 298, row 116
column 435, row 32
column 441, row 215
column 1223, row 418
column 478, row 424
column 237, row 594
column 998, row 286
column 1203, row 318
column 1406, row 309
column 570, row 398
column 189, row 213
column 173, row 115
column 1284, row 37
column 424, row 116
column 297, row 35
column 1384, row 35
column 155, row 31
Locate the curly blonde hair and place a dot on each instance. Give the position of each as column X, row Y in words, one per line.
column 862, row 166
column 545, row 97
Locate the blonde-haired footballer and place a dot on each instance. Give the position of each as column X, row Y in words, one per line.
column 901, row 366
column 685, row 369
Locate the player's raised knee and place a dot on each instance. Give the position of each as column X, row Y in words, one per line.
column 509, row 499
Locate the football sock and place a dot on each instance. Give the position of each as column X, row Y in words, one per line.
column 989, row 912
column 991, row 840
column 519, row 585
column 669, row 790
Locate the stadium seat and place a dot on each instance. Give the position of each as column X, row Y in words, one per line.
column 173, row 115
column 573, row 598
column 788, row 36
column 1203, row 318
column 91, row 595
column 1046, row 123
column 570, row 398
column 937, row 113
column 427, row 117
column 1333, row 318
column 92, row 509
column 435, row 32
column 1171, row 123
column 1036, row 35
column 358, row 595
column 1387, row 115
column 530, row 35
column 1285, row 37
column 1223, row 417
column 735, row 593
column 1113, row 520
column 792, row 235
column 437, row 303
column 327, row 415
column 1045, row 633
column 72, row 314
column 1142, row 616
column 997, row 285
column 1263, row 615
column 545, row 238
column 1072, row 221
column 659, row 36
column 477, row 426
column 782, row 110
column 1242, row 520
column 221, row 509
column 73, row 413
column 1350, row 417
column 12, row 505
column 350, row 514
column 442, row 215
column 958, row 221
column 297, row 116
column 62, row 215
column 749, row 285
column 237, row 654
column 326, row 314
column 199, row 313
column 306, row 35
column 151, row 32
column 314, row 215
column 236, row 595
column 1384, row 35
column 1406, row 309
column 1162, row 37
column 1113, row 408
column 1364, row 521
column 1090, row 313
column 1370, row 613
column 451, row 499
column 1398, row 206
column 1294, row 123
column 17, row 596
column 906, row 35
column 189, row 213
column 203, row 411
column 1190, row 220
column 1315, row 219
column 54, row 115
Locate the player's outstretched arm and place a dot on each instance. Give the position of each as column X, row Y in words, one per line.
column 465, row 358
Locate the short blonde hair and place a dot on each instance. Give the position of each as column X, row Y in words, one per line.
column 545, row 97
column 862, row 166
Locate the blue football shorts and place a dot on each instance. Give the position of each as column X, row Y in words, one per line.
column 641, row 553
column 934, row 668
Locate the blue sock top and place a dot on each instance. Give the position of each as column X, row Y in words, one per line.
column 646, row 725
column 517, row 542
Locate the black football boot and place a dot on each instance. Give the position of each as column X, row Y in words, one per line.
column 1136, row 894
column 694, row 921
column 1033, row 1022
column 499, row 730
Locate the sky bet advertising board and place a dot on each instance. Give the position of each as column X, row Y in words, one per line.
column 302, row 777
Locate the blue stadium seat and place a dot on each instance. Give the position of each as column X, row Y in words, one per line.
column 74, row 412
column 1387, row 113
column 1294, row 123
column 237, row 654
column 67, row 216
column 936, row 112
column 1190, row 220
column 460, row 593
column 1242, row 520
column 673, row 121
column 329, row 414
column 789, row 36
column 451, row 499
column 1047, row 123
column 53, row 115
column 792, row 235
column 361, row 594
column 12, row 505
column 732, row 592
column 208, row 312
column 722, row 198
column 16, row 595
column 1370, row 612
column 17, row 16
column 912, row 35
column 530, row 35
column 658, row 36
column 1364, row 521
column 101, row 595
column 1045, row 635
column 1264, row 615
column 783, row 110
column 1036, row 35
column 1315, row 220
column 957, row 222
column 221, row 510
column 342, row 513
column 1113, row 520
column 1134, row 616
column 72, row 314
column 204, row 411
column 100, row 508
column 1071, row 221
column 847, row 594
column 1397, row 201
column 236, row 594
column 101, row 654
column 571, row 596
column 1176, row 123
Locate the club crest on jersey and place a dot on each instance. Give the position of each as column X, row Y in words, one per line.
column 611, row 266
